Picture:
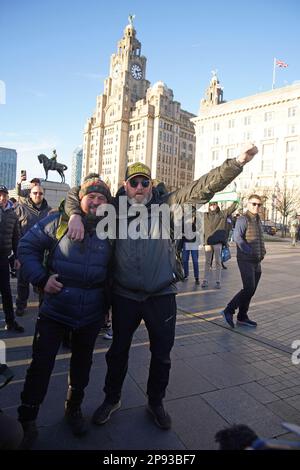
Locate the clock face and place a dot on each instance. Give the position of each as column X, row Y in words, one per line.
column 136, row 71
column 116, row 71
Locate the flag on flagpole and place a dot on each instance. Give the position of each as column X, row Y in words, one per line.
column 280, row 63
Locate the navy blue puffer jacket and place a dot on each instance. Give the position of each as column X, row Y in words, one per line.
column 82, row 268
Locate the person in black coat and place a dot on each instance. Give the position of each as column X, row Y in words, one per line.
column 9, row 237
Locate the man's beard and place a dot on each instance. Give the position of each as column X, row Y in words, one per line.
column 145, row 201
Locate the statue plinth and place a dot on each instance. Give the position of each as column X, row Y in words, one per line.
column 54, row 192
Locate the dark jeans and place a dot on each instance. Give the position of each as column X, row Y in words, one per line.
column 23, row 290
column 185, row 260
column 159, row 315
column 5, row 290
column 250, row 273
column 47, row 339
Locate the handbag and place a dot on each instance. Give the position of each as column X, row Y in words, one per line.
column 225, row 254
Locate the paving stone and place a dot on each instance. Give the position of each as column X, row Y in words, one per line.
column 238, row 407
column 221, row 373
column 259, row 392
column 197, row 422
column 185, row 381
column 285, row 411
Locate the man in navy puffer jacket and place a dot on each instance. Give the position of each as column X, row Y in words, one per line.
column 73, row 297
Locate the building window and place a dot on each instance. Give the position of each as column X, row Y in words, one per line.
column 215, row 155
column 216, row 126
column 269, row 116
column 291, row 129
column 291, row 163
column 230, row 153
column 291, row 146
column 292, row 111
column 201, row 130
column 231, row 123
column 247, row 136
column 247, row 120
column 268, row 132
column 268, row 150
column 267, row 166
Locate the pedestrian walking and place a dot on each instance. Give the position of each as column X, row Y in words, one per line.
column 248, row 236
column 215, row 236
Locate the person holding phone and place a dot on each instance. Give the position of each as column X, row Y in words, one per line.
column 25, row 193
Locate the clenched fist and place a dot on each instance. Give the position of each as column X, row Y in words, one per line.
column 248, row 152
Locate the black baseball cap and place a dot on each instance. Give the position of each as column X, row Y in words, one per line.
column 3, row 189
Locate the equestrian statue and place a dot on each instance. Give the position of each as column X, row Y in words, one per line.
column 52, row 164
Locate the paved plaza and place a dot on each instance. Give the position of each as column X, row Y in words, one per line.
column 219, row 376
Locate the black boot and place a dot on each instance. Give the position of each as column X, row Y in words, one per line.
column 75, row 419
column 27, row 418
column 30, row 434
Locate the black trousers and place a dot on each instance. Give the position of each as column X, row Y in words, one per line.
column 47, row 339
column 23, row 290
column 159, row 315
column 251, row 274
column 5, row 290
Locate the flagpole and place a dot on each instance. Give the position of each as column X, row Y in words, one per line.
column 274, row 68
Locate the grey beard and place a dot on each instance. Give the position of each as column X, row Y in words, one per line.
column 145, row 201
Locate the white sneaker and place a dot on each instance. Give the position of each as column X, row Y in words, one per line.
column 108, row 334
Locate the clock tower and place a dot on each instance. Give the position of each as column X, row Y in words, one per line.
column 127, row 71
column 134, row 122
column 106, row 133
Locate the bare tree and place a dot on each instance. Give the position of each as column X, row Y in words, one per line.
column 286, row 202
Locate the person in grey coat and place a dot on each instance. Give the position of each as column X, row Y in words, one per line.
column 144, row 276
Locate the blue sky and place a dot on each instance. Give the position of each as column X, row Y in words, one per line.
column 54, row 57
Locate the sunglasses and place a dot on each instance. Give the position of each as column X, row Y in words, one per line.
column 40, row 194
column 134, row 183
column 258, row 204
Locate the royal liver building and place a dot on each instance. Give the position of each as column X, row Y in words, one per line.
column 134, row 121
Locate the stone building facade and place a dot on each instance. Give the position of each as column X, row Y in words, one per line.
column 134, row 121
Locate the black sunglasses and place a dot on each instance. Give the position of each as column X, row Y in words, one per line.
column 258, row 204
column 35, row 193
column 134, row 183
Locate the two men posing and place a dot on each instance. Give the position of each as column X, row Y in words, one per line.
column 143, row 286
